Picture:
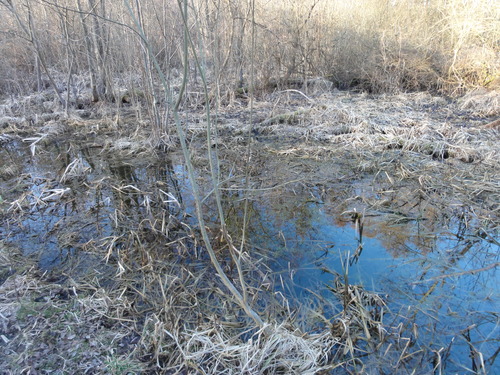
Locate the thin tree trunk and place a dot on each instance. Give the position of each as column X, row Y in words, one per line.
column 153, row 109
column 39, row 82
column 90, row 60
column 35, row 42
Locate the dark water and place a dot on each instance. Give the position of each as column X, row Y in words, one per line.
column 441, row 277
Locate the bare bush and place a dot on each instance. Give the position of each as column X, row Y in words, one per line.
column 376, row 45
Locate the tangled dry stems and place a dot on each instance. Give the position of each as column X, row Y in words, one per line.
column 161, row 301
column 169, row 307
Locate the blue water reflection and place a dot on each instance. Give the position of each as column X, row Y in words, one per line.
column 441, row 276
column 448, row 285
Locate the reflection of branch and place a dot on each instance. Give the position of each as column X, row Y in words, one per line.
column 475, row 355
column 470, row 272
column 355, row 257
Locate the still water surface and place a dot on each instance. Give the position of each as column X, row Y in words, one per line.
column 444, row 280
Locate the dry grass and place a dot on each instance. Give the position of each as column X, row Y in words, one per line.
column 165, row 319
column 49, row 327
column 155, row 305
column 272, row 349
column 418, row 124
column 150, row 301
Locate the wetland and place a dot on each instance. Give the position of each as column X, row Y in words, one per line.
column 367, row 227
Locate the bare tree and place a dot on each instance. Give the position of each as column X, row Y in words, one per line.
column 29, row 33
column 96, row 38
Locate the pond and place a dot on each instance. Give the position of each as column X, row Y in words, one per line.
column 438, row 274
column 444, row 282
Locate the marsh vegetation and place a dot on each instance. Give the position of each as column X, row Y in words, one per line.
column 204, row 187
